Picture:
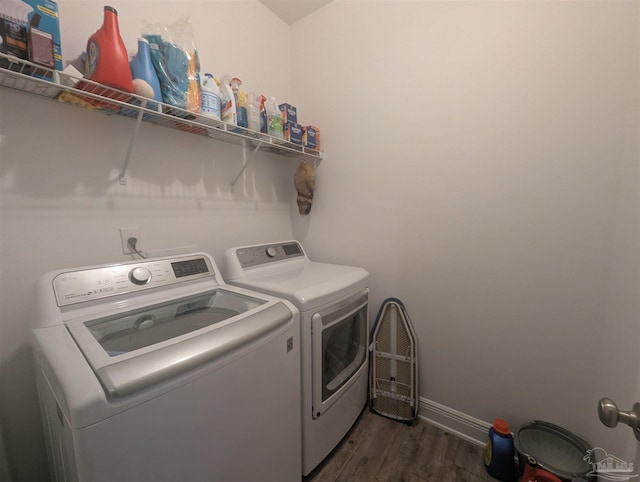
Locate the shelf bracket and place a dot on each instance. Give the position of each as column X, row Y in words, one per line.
column 121, row 178
column 315, row 162
column 246, row 163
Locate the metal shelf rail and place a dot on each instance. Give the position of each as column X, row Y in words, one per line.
column 30, row 78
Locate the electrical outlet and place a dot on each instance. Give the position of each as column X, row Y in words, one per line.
column 125, row 234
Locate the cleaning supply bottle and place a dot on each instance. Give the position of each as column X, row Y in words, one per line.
column 499, row 452
column 263, row 115
column 241, row 102
column 253, row 112
column 274, row 118
column 228, row 111
column 210, row 97
column 107, row 60
column 142, row 70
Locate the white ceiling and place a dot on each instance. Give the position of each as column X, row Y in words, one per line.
column 293, row 10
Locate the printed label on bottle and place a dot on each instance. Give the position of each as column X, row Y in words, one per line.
column 93, row 54
column 242, row 116
column 210, row 103
column 228, row 112
column 487, row 453
column 275, row 123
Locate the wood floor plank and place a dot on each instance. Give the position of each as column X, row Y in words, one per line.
column 370, row 460
column 470, row 458
column 431, row 453
column 383, row 450
column 448, row 470
column 399, row 461
column 463, row 475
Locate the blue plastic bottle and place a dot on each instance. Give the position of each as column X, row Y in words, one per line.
column 499, row 452
column 142, row 70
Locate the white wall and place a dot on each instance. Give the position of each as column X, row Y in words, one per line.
column 482, row 164
column 60, row 205
column 476, row 156
column 618, row 375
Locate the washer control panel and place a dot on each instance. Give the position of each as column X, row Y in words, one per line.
column 94, row 283
column 268, row 253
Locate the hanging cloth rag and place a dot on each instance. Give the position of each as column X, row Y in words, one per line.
column 305, row 182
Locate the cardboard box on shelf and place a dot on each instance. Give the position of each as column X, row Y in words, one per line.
column 30, row 30
column 293, row 132
column 289, row 113
column 311, row 137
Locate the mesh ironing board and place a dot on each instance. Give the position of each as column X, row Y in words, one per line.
column 393, row 383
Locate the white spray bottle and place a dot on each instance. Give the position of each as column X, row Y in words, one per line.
column 227, row 101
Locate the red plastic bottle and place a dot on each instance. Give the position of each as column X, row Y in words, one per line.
column 533, row 473
column 107, row 60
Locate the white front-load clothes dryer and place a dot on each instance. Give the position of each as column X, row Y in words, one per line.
column 156, row 370
column 334, row 308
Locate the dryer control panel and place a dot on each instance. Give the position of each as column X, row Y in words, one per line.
column 268, row 253
column 89, row 284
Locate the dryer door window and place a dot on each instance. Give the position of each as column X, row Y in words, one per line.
column 340, row 350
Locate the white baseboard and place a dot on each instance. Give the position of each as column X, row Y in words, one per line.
column 457, row 423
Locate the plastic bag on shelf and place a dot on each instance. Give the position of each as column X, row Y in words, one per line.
column 175, row 59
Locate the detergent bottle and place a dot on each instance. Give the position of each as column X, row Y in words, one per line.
column 107, row 60
column 228, row 111
column 253, row 112
column 274, row 118
column 210, row 97
column 499, row 452
column 241, row 102
column 263, row 115
column 144, row 74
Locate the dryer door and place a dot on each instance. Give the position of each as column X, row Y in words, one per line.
column 339, row 349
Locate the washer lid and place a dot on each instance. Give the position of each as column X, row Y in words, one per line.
column 306, row 284
column 137, row 349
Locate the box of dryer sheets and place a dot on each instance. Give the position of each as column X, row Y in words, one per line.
column 289, row 113
column 293, row 132
column 311, row 137
column 30, row 30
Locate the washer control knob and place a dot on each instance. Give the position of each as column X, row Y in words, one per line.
column 140, row 276
column 271, row 251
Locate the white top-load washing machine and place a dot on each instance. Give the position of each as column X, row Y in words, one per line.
column 334, row 308
column 156, row 370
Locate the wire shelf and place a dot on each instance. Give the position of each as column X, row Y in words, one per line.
column 30, row 78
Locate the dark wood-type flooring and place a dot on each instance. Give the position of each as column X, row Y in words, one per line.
column 383, row 450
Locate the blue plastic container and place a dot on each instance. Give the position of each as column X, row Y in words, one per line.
column 142, row 68
column 499, row 453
